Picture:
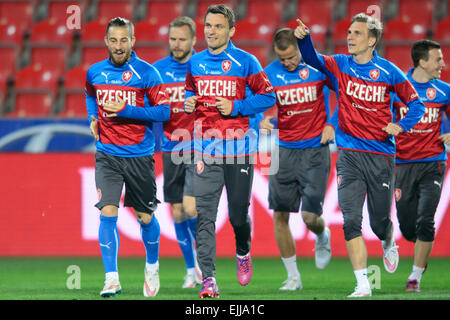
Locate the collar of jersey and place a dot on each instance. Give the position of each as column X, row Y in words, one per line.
column 224, row 52
column 415, row 83
column 374, row 59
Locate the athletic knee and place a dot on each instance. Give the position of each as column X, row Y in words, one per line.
column 109, row 211
column 310, row 219
column 190, row 210
column 281, row 220
column 144, row 218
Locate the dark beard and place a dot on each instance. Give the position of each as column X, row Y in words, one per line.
column 117, row 63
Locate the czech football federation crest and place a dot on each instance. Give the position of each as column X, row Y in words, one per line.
column 374, row 74
column 304, row 73
column 397, row 194
column 200, row 166
column 226, row 65
column 126, row 76
column 431, row 93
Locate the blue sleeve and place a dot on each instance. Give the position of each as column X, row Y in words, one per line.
column 256, row 103
column 148, row 113
column 91, row 104
column 91, row 100
column 310, row 55
column 416, row 110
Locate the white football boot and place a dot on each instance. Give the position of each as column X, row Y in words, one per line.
column 323, row 251
column 111, row 288
column 151, row 283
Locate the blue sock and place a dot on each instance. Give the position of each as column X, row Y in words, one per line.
column 150, row 237
column 108, row 238
column 192, row 226
column 185, row 242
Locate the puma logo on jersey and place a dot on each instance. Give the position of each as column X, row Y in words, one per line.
column 438, row 183
column 386, row 185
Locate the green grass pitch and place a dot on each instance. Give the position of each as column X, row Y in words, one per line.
column 52, row 279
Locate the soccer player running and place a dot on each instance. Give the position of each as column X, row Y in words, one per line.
column 177, row 145
column 365, row 136
column 225, row 138
column 124, row 96
column 304, row 155
column 421, row 156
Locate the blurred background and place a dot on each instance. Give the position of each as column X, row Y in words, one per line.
column 46, row 150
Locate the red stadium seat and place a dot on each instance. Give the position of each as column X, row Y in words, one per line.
column 251, row 29
column 400, row 56
column 93, row 54
column 74, row 98
column 94, row 31
column 8, row 57
column 18, row 13
column 445, row 74
column 57, row 9
column 318, row 33
column 164, row 11
column 51, row 31
column 315, row 12
column 147, row 31
column 51, row 57
column 109, row 9
column 36, row 76
column 260, row 51
column 34, row 92
column 340, row 31
column 202, row 6
column 93, row 47
column 200, row 25
column 10, row 34
column 368, row 7
column 151, row 53
column 268, row 11
column 442, row 31
column 417, row 12
column 400, row 30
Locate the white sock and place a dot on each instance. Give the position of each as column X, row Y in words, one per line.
column 240, row 257
column 190, row 271
column 361, row 278
column 112, row 275
column 291, row 266
column 152, row 266
column 322, row 238
column 416, row 273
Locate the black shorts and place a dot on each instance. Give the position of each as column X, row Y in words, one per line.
column 302, row 175
column 138, row 175
column 418, row 188
column 360, row 174
column 178, row 179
